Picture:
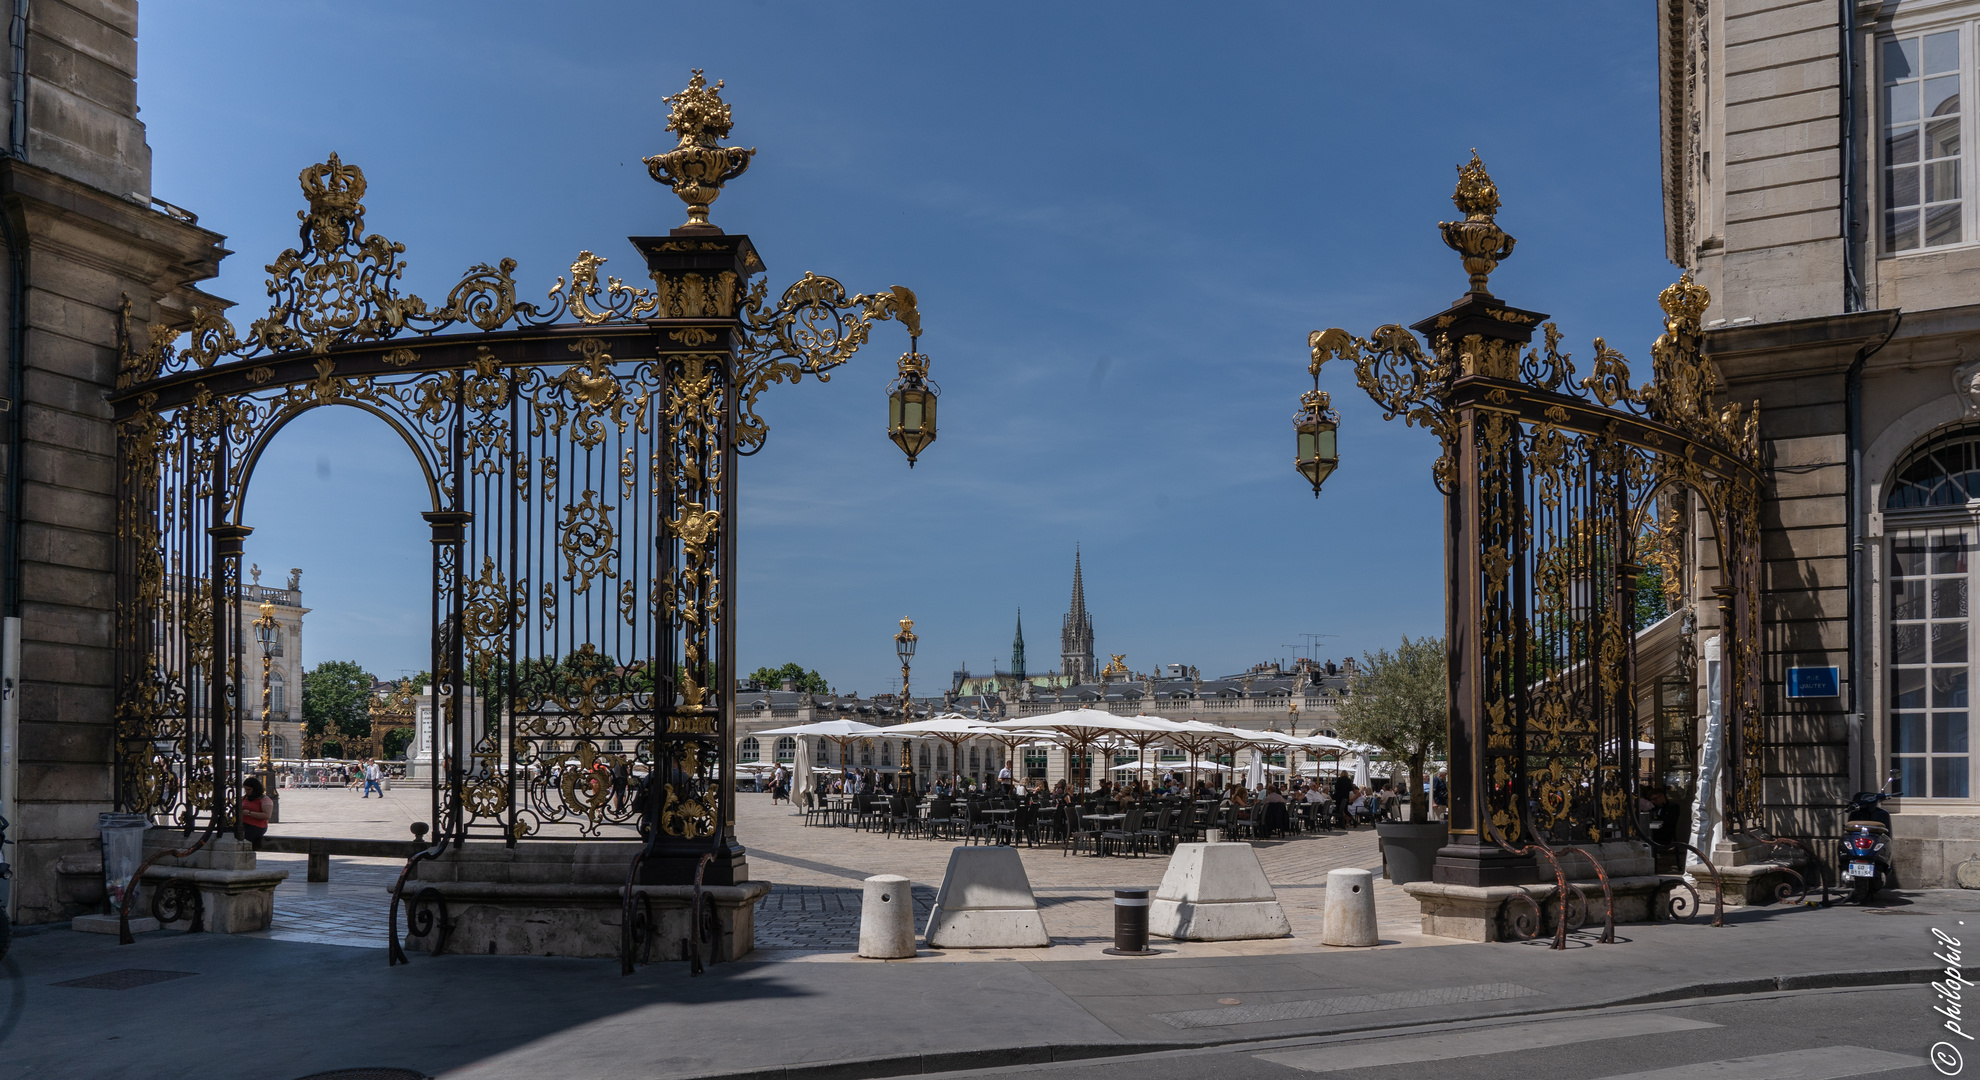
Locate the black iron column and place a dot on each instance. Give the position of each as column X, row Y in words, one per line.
column 223, row 734
column 700, row 280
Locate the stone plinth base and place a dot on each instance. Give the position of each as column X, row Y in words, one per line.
column 561, row 899
column 1750, row 885
column 235, row 897
column 1472, row 913
column 500, row 919
column 108, row 924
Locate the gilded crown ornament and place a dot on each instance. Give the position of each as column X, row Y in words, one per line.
column 1478, row 239
column 698, row 165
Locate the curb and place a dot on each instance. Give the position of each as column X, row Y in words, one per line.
column 959, row 1060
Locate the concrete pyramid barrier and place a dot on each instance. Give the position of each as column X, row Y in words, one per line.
column 985, row 903
column 1216, row 892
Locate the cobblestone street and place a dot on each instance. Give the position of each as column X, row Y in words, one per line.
column 812, row 912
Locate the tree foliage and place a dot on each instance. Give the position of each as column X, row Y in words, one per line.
column 337, row 699
column 1396, row 703
column 773, row 679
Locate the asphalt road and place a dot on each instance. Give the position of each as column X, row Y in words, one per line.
column 1885, row 1033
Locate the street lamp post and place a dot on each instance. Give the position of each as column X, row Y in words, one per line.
column 264, row 629
column 905, row 640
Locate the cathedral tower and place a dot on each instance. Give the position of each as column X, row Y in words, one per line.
column 1017, row 650
column 1076, row 639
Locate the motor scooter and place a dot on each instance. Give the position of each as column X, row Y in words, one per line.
column 1863, row 857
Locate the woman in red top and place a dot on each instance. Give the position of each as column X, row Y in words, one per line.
column 256, row 809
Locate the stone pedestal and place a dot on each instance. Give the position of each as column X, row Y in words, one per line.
column 1474, row 913
column 1216, row 892
column 235, row 897
column 562, row 899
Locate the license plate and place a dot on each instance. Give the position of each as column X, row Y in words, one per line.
column 1862, row 869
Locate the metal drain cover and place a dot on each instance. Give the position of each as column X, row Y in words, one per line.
column 367, row 1074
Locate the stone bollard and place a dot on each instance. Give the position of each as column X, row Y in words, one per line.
column 1350, row 916
column 886, row 918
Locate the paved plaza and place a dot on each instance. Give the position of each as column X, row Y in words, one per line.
column 812, row 912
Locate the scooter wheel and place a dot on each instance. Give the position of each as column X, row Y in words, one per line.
column 1861, row 889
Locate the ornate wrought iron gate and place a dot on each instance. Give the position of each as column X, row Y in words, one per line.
column 1561, row 492
column 580, row 457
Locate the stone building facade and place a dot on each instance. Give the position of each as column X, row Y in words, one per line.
column 84, row 238
column 1818, row 181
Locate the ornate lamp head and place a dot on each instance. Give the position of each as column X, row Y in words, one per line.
column 911, row 404
column 1478, row 239
column 904, row 641
column 1317, row 425
column 698, row 165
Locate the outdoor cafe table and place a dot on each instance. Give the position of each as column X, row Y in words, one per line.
column 1103, row 820
column 997, row 813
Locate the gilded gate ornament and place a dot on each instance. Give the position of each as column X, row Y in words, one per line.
column 698, row 166
column 586, row 438
column 1555, row 484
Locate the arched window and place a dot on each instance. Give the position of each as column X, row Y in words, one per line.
column 749, row 750
column 1928, row 653
column 786, row 750
column 1944, row 470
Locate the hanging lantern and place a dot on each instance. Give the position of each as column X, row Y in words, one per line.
column 1317, row 426
column 911, row 406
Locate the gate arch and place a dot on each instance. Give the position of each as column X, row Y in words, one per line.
column 251, row 455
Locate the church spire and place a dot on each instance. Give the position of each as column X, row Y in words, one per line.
column 1076, row 637
column 1017, row 649
column 1079, row 588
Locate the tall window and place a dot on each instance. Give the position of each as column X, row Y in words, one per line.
column 749, row 750
column 1921, row 118
column 1035, row 762
column 786, row 750
column 278, row 695
column 1930, row 661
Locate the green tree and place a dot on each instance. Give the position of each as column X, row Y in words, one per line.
column 801, row 679
column 337, row 700
column 1396, row 704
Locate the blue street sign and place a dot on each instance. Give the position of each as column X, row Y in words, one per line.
column 1812, row 682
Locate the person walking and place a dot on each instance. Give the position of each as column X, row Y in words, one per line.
column 1440, row 795
column 372, row 774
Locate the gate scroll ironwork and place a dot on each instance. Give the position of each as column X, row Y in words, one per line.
column 1561, row 490
column 580, row 459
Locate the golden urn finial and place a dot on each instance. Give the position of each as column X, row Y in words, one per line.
column 698, row 165
column 1477, row 239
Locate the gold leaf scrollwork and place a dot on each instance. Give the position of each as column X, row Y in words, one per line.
column 588, row 541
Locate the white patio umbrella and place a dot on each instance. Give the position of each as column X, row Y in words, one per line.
column 1254, row 777
column 951, row 728
column 1081, row 728
column 1361, row 771
column 835, row 731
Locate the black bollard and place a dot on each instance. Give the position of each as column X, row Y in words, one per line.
column 1130, row 923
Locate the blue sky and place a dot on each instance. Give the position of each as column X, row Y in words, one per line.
column 1121, row 220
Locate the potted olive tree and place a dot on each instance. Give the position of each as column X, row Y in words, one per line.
column 1396, row 704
